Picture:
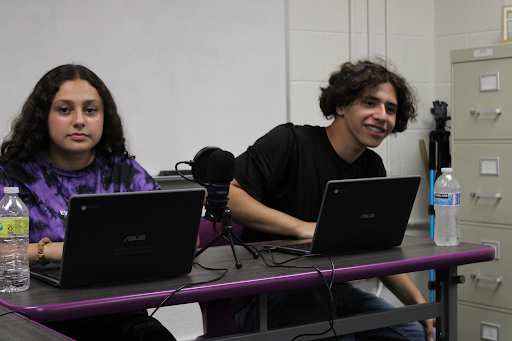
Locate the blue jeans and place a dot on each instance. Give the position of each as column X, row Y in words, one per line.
column 309, row 305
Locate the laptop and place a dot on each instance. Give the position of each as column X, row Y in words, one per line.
column 359, row 215
column 125, row 237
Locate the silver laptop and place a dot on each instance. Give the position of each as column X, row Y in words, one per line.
column 124, row 237
column 359, row 215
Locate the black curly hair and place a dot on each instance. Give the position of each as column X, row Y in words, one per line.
column 29, row 131
column 353, row 82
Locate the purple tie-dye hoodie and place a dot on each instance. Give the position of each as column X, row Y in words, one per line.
column 46, row 189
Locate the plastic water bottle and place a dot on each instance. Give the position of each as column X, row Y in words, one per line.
column 446, row 207
column 14, row 222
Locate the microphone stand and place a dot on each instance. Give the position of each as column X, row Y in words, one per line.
column 439, row 157
column 217, row 211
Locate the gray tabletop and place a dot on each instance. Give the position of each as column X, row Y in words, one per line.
column 45, row 303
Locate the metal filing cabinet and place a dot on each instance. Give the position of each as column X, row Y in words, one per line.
column 482, row 161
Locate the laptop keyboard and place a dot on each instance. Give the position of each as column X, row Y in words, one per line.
column 52, row 273
column 301, row 246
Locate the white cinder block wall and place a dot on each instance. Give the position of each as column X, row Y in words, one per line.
column 416, row 35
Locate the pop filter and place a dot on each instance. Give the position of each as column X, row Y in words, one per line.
column 200, row 164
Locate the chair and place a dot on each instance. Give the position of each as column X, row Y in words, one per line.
column 207, row 233
column 217, row 319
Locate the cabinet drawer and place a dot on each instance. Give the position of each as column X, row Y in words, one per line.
column 468, row 97
column 488, row 283
column 477, row 203
column 470, row 323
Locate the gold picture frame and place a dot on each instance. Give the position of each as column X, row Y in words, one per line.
column 506, row 24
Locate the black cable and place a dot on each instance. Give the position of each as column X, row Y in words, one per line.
column 184, row 176
column 191, row 285
column 183, row 287
column 328, row 285
column 15, row 311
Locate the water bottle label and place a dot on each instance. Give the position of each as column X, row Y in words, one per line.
column 447, row 199
column 14, row 228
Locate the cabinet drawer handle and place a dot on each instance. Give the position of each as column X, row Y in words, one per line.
column 486, row 195
column 496, row 111
column 488, row 279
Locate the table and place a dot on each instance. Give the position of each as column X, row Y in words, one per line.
column 17, row 327
column 45, row 303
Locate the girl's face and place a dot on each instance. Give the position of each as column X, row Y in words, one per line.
column 75, row 121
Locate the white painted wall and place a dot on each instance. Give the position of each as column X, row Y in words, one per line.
column 185, row 74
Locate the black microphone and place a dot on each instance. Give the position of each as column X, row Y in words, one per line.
column 220, row 171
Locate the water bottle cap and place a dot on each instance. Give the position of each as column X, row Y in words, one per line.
column 446, row 170
column 11, row 190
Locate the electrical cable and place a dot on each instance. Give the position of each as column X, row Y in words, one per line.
column 183, row 175
column 328, row 285
column 15, row 312
column 191, row 285
column 186, row 286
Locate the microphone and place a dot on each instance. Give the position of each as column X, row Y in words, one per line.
column 213, row 168
column 220, row 171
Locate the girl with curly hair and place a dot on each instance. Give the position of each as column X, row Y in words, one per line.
column 68, row 139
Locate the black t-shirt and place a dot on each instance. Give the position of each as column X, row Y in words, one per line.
column 288, row 169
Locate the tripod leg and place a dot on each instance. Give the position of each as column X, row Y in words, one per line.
column 208, row 245
column 235, row 254
column 254, row 253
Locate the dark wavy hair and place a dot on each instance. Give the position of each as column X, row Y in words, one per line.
column 354, row 82
column 29, row 130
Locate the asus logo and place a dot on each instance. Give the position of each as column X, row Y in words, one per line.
column 367, row 216
column 134, row 238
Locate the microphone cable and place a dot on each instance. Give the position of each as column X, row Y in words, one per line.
column 15, row 312
column 189, row 163
column 225, row 271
